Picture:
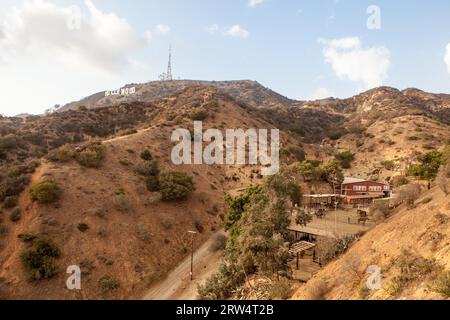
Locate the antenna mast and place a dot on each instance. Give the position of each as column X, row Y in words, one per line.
column 167, row 76
column 169, row 66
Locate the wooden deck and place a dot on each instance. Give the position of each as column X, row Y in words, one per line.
column 307, row 268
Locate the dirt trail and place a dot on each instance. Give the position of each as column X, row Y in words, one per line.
column 177, row 285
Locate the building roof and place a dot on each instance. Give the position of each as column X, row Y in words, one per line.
column 313, row 231
column 320, row 195
column 301, row 246
column 365, row 196
column 348, row 180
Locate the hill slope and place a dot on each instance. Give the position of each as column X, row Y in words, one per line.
column 243, row 91
column 418, row 238
column 107, row 221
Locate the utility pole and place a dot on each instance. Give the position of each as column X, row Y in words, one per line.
column 193, row 233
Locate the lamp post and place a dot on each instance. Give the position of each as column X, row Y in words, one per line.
column 193, row 233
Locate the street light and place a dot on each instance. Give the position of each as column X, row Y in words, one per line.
column 193, row 233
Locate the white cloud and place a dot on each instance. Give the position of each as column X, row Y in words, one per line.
column 350, row 60
column 213, row 28
column 254, row 3
column 102, row 40
column 160, row 31
column 321, row 93
column 54, row 54
column 447, row 57
column 237, row 31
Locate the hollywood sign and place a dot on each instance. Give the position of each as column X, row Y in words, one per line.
column 121, row 92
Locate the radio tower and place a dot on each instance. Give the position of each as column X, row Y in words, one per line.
column 169, row 66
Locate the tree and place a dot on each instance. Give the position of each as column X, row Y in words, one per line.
column 429, row 166
column 306, row 169
column 302, row 218
column 331, row 172
column 286, row 188
column 237, row 205
column 257, row 242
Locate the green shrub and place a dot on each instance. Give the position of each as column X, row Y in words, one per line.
column 388, row 165
column 175, row 185
column 412, row 267
column 219, row 242
column 298, row 153
column 92, row 156
column 83, row 227
column 27, row 237
column 146, row 155
column 198, row 114
column 39, row 259
column 395, row 286
column 363, row 292
column 199, row 226
column 280, row 289
column 107, row 283
column 399, row 181
column 13, row 185
column 16, row 215
column 442, row 284
column 345, row 158
column 152, row 183
column 8, row 141
column 122, row 203
column 151, row 278
column 148, row 168
column 64, row 153
column 10, row 202
column 125, row 162
column 46, row 192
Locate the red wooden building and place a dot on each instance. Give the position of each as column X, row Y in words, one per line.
column 356, row 191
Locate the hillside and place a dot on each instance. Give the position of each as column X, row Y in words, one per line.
column 244, row 91
column 124, row 236
column 111, row 205
column 413, row 243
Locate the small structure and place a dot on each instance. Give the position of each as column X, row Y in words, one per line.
column 359, row 192
column 298, row 250
column 313, row 201
column 309, row 234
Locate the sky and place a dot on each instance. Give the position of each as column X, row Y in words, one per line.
column 58, row 51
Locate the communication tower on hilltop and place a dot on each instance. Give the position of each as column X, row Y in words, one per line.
column 167, row 76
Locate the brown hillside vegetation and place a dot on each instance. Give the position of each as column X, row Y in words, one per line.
column 123, row 236
column 412, row 248
column 94, row 186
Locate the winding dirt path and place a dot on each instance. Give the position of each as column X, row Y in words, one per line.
column 177, row 285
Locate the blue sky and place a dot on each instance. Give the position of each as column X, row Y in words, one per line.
column 302, row 49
